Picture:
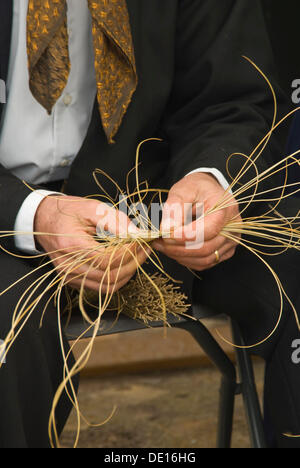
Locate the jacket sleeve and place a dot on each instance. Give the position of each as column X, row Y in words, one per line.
column 13, row 192
column 219, row 103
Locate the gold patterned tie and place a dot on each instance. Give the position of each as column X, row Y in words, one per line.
column 49, row 62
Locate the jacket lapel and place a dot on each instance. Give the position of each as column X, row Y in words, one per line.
column 6, row 12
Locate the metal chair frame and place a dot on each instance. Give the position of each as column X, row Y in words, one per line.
column 230, row 387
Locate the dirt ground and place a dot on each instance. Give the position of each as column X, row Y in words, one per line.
column 157, row 410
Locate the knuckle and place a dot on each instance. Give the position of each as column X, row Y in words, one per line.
column 62, row 243
column 207, row 261
column 174, row 198
column 175, row 189
column 102, row 265
column 104, row 289
column 205, row 251
column 212, row 229
column 114, row 276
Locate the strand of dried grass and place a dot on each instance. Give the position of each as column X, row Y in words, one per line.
column 137, row 302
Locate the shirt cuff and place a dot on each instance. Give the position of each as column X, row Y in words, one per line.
column 216, row 173
column 24, row 225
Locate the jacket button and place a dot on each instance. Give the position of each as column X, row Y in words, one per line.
column 67, row 99
column 65, row 162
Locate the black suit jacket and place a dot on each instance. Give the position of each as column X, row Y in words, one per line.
column 195, row 91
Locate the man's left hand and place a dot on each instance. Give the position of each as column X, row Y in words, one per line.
column 192, row 190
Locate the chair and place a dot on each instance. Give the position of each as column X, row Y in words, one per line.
column 229, row 386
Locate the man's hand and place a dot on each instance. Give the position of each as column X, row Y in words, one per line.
column 193, row 189
column 66, row 225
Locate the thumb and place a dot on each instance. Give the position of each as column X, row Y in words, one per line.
column 173, row 215
column 179, row 205
column 115, row 222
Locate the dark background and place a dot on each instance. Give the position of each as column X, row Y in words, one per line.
column 283, row 21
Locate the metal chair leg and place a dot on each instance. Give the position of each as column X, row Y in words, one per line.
column 249, row 392
column 228, row 384
column 226, row 410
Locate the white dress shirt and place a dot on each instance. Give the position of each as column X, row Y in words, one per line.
column 38, row 147
column 34, row 146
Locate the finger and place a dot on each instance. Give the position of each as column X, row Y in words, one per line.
column 115, row 222
column 76, row 283
column 173, row 215
column 96, row 272
column 124, row 254
column 97, row 261
column 123, row 271
column 202, row 250
column 128, row 257
column 105, row 257
column 203, row 263
column 203, row 266
column 203, row 228
column 117, row 286
column 206, row 228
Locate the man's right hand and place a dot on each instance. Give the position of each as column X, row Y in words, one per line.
column 65, row 225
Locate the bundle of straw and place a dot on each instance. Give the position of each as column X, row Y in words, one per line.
column 149, row 298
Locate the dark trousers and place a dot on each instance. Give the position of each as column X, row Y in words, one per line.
column 282, row 384
column 33, row 368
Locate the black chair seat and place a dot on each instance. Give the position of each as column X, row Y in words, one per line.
column 111, row 324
